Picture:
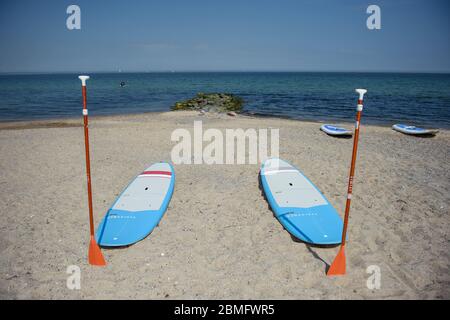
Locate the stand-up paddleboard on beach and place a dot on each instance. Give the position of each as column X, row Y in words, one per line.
column 335, row 131
column 139, row 208
column 299, row 205
column 413, row 130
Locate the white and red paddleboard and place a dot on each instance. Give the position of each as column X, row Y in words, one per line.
column 139, row 208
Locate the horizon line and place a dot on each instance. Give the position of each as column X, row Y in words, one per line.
column 219, row 71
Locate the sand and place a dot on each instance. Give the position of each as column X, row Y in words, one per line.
column 219, row 238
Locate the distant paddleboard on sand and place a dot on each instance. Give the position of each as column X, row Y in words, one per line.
column 413, row 130
column 299, row 206
column 335, row 131
column 140, row 207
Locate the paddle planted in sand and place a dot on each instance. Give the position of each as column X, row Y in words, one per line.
column 95, row 254
column 338, row 265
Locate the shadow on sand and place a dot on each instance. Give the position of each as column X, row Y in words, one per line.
column 343, row 136
column 315, row 255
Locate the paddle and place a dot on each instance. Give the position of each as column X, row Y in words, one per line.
column 338, row 265
column 95, row 256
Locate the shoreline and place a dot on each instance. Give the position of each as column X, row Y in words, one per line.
column 78, row 121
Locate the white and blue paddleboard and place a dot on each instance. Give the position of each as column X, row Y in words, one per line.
column 139, row 208
column 413, row 130
column 335, row 131
column 299, row 206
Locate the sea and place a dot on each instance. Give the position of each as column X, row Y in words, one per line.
column 416, row 99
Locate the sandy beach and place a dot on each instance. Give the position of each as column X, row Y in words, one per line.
column 219, row 238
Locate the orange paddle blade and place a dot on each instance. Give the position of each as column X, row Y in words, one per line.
column 337, row 268
column 95, row 254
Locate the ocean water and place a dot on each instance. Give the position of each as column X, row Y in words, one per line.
column 419, row 99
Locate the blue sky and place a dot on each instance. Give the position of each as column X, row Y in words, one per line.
column 244, row 35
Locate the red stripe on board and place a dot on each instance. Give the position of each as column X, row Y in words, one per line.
column 167, row 173
column 360, row 101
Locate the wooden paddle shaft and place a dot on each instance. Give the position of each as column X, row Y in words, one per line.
column 88, row 162
column 352, row 169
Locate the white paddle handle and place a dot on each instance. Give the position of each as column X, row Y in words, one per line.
column 83, row 80
column 361, row 93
